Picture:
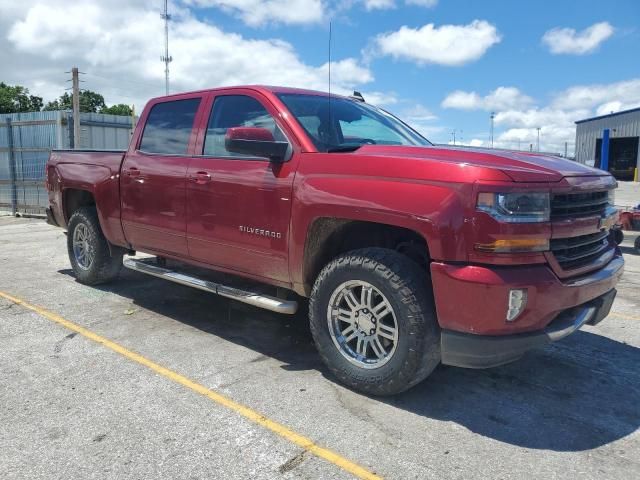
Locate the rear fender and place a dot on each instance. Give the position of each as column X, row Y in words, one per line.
column 103, row 186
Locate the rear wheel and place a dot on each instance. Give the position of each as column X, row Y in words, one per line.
column 89, row 252
column 636, row 244
column 372, row 318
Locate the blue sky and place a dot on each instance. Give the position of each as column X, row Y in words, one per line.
column 443, row 65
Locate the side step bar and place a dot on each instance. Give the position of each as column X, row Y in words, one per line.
column 252, row 298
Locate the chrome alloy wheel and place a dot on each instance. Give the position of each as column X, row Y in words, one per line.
column 362, row 324
column 83, row 251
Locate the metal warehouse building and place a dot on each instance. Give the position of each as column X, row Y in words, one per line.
column 622, row 131
column 26, row 140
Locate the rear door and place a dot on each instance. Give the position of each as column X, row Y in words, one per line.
column 239, row 207
column 153, row 178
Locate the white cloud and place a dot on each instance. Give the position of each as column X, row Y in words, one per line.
column 450, row 45
column 380, row 98
column 379, row 4
column 388, row 4
column 347, row 73
column 502, row 98
column 260, row 12
column 556, row 127
column 119, row 46
column 569, row 41
column 517, row 119
column 610, row 107
column 422, row 119
column 419, row 113
column 422, row 3
column 626, row 93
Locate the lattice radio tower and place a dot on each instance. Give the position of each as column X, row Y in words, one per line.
column 166, row 58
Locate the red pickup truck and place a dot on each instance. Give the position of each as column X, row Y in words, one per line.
column 409, row 254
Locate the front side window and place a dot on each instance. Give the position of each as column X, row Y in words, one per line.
column 236, row 111
column 169, row 127
column 341, row 124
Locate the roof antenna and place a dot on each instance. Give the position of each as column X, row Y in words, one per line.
column 330, row 110
column 330, row 57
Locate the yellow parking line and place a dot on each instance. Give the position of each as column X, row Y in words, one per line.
column 300, row 440
column 622, row 315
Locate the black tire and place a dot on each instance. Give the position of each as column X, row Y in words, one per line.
column 104, row 266
column 406, row 288
column 636, row 244
column 618, row 236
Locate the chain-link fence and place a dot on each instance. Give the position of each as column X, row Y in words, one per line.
column 26, row 139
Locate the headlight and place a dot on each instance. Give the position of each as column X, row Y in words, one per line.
column 515, row 207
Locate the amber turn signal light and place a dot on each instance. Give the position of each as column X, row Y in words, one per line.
column 514, row 245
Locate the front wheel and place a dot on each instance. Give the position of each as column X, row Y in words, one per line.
column 89, row 252
column 373, row 321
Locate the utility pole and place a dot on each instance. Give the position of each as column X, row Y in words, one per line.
column 493, row 114
column 75, row 86
column 565, row 149
column 133, row 118
column 538, row 144
column 454, row 136
column 166, row 58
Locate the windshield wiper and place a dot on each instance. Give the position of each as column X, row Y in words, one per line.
column 346, row 147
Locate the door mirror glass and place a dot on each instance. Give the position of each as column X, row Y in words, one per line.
column 255, row 141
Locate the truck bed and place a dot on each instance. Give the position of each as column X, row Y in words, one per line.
column 94, row 171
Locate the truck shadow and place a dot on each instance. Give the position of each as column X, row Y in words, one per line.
column 576, row 395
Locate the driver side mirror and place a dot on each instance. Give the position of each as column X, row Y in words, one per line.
column 255, row 141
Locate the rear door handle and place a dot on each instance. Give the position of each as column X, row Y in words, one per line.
column 133, row 172
column 200, row 177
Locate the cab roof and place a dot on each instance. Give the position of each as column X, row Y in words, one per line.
column 268, row 89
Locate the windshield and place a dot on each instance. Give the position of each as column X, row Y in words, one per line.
column 342, row 124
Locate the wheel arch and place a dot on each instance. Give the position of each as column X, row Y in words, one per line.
column 73, row 199
column 328, row 237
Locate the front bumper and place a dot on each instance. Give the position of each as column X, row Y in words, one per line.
column 484, row 351
column 474, row 298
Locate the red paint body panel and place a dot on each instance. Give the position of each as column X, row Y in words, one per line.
column 95, row 172
column 473, row 298
column 154, row 213
column 252, row 217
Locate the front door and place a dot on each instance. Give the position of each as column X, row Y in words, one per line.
column 153, row 179
column 239, row 207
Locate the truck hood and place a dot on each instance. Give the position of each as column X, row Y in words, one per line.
column 519, row 166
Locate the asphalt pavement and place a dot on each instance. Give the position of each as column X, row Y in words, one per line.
column 72, row 407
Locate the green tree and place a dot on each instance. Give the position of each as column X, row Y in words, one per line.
column 90, row 102
column 119, row 109
column 16, row 98
column 62, row 103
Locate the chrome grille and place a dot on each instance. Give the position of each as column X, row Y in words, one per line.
column 576, row 252
column 575, row 205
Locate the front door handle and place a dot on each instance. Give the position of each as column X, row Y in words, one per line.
column 200, row 177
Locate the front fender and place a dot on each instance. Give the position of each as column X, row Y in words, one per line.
column 436, row 211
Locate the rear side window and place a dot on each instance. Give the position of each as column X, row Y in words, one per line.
column 236, row 111
column 169, row 126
